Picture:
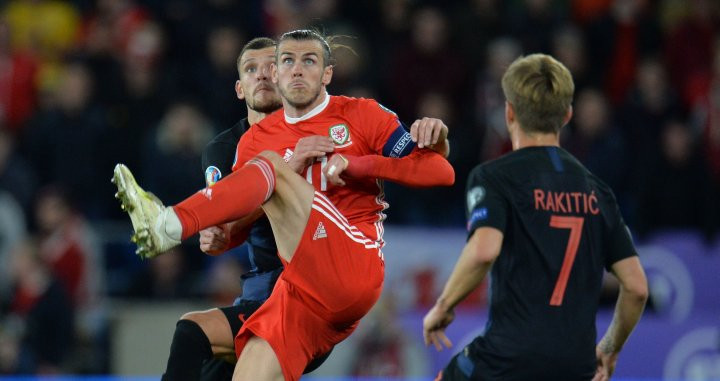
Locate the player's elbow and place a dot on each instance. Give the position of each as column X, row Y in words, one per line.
column 447, row 177
column 429, row 169
column 636, row 289
column 450, row 180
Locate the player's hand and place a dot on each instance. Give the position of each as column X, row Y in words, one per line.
column 308, row 149
column 434, row 325
column 335, row 166
column 427, row 132
column 214, row 240
column 606, row 361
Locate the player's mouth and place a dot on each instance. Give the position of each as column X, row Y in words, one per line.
column 297, row 85
column 262, row 88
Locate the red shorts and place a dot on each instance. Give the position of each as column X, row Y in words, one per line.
column 333, row 280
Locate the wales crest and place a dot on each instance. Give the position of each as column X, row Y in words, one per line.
column 340, row 135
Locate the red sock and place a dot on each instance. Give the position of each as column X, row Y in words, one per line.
column 234, row 197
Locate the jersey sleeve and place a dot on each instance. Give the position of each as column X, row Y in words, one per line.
column 242, row 150
column 620, row 243
column 387, row 135
column 217, row 160
column 485, row 204
column 422, row 168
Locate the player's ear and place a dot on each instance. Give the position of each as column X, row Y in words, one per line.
column 327, row 75
column 239, row 90
column 509, row 113
column 274, row 73
column 568, row 116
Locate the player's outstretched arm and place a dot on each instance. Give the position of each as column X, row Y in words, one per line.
column 477, row 256
column 629, row 308
column 421, row 168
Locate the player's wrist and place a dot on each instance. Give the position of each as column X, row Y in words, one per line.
column 608, row 346
column 442, row 147
column 443, row 305
column 296, row 164
column 357, row 166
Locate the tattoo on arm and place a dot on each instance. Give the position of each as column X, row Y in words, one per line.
column 607, row 345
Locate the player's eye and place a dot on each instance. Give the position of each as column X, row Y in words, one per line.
column 251, row 69
column 309, row 61
column 287, row 61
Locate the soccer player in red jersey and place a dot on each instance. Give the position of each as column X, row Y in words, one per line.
column 327, row 221
column 203, row 341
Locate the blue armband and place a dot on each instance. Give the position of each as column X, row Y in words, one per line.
column 399, row 144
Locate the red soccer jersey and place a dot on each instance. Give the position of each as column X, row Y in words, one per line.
column 358, row 127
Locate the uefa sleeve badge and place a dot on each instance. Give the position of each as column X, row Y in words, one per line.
column 212, row 175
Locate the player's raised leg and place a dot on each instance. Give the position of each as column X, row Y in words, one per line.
column 289, row 208
column 265, row 179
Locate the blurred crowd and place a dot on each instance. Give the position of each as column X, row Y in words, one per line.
column 85, row 84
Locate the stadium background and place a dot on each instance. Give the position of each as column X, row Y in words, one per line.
column 85, row 84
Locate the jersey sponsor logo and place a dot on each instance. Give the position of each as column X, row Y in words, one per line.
column 477, row 215
column 340, row 135
column 288, row 154
column 387, row 109
column 320, row 232
column 566, row 202
column 475, row 196
column 212, row 175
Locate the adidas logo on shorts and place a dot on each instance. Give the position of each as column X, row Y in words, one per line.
column 320, row 232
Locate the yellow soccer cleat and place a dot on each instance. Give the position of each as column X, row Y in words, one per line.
column 147, row 213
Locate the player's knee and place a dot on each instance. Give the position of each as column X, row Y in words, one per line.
column 194, row 316
column 201, row 319
column 205, row 319
column 273, row 157
column 190, row 332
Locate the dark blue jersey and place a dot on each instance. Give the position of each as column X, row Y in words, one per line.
column 561, row 228
column 217, row 161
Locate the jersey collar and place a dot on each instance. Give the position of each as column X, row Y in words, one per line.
column 318, row 109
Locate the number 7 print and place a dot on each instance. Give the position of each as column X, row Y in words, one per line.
column 575, row 224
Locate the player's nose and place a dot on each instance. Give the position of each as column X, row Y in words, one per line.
column 296, row 70
column 264, row 72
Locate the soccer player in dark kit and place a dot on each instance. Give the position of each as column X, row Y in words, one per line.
column 545, row 228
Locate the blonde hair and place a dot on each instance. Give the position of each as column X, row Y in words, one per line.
column 540, row 88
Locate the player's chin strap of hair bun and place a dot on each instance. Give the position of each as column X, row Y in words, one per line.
column 333, row 168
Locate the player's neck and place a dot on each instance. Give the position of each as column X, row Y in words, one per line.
column 294, row 115
column 521, row 139
column 254, row 116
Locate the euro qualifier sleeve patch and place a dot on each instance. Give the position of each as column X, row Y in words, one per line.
column 212, row 175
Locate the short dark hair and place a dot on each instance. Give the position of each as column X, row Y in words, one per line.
column 255, row 44
column 309, row 34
